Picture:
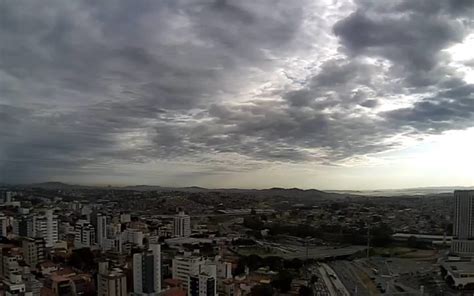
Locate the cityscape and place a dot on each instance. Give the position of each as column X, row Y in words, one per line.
column 236, row 147
column 60, row 239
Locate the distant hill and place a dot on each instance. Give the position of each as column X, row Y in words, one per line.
column 275, row 191
column 293, row 193
column 407, row 191
column 55, row 186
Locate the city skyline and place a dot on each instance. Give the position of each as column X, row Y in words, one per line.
column 311, row 94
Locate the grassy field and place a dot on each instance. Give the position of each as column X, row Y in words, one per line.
column 262, row 252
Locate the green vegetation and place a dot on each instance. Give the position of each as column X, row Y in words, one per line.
column 283, row 281
column 262, row 290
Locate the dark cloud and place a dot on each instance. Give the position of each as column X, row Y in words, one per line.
column 411, row 39
column 87, row 85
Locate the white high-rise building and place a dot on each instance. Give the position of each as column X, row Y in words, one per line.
column 44, row 226
column 463, row 228
column 101, row 229
column 147, row 271
column 181, row 225
column 52, row 228
column 9, row 197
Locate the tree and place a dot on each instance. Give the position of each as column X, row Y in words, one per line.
column 261, row 290
column 253, row 223
column 253, row 262
column 412, row 242
column 283, row 281
column 82, row 259
column 273, row 262
column 239, row 269
column 293, row 263
column 305, row 291
column 381, row 235
column 450, row 281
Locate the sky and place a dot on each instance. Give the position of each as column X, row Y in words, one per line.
column 328, row 94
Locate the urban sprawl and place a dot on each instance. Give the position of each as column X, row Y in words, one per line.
column 59, row 239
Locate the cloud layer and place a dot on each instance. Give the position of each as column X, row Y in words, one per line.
column 87, row 86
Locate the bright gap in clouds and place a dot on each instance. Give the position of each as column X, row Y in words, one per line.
column 445, row 159
column 462, row 56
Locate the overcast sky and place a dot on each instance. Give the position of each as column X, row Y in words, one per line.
column 330, row 94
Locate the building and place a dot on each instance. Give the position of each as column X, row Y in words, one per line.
column 84, row 234
column 20, row 226
column 9, row 197
column 224, row 272
column 3, row 225
column 147, row 271
column 45, row 226
column 460, row 274
column 101, row 229
column 9, row 259
column 125, row 218
column 181, row 225
column 32, row 284
column 203, row 282
column 426, row 238
column 33, row 250
column 134, row 236
column 463, row 226
column 111, row 281
column 183, row 267
column 14, row 285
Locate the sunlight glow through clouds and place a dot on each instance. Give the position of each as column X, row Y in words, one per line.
column 462, row 53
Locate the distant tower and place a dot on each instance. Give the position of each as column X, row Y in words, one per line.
column 181, row 225
column 147, row 271
column 101, row 229
column 8, row 197
column 3, row 225
column 463, row 226
column 51, row 228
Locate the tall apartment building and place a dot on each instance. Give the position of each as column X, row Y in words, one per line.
column 3, row 225
column 84, row 234
column 111, row 281
column 45, row 226
column 181, row 225
column 9, row 197
column 101, row 229
column 33, row 250
column 463, row 226
column 20, row 226
column 147, row 271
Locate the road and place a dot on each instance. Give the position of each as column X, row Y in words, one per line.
column 332, row 281
column 351, row 278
